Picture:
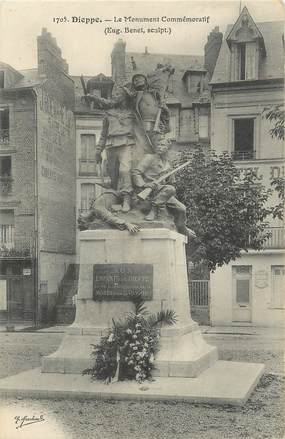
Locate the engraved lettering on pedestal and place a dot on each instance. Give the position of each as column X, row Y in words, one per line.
column 120, row 281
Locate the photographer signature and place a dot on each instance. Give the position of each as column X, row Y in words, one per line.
column 23, row 421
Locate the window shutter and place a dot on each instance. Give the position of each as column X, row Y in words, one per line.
column 172, row 133
column 235, row 63
column 203, row 126
column 278, row 289
column 88, row 142
column 87, row 194
column 250, row 70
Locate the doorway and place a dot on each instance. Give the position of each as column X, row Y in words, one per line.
column 242, row 293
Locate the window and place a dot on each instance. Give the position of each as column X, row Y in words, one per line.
column 3, row 295
column 7, row 228
column 242, row 49
column 87, row 164
column 1, row 79
column 5, row 166
column 4, row 124
column 194, row 82
column 172, row 133
column 88, row 142
column 5, row 175
column 278, row 286
column 244, row 139
column 87, row 194
column 203, row 126
column 244, row 61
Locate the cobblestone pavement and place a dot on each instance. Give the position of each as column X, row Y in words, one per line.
column 262, row 417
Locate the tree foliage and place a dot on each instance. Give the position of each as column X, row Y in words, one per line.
column 275, row 114
column 226, row 208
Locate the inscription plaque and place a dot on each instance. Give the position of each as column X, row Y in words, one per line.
column 261, row 279
column 120, row 281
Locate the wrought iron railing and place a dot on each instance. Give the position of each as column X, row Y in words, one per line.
column 23, row 248
column 277, row 238
column 244, row 155
column 199, row 292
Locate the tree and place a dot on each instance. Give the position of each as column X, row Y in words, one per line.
column 276, row 115
column 226, row 208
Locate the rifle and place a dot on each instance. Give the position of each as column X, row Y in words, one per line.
column 143, row 195
column 83, row 85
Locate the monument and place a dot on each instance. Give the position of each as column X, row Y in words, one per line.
column 133, row 241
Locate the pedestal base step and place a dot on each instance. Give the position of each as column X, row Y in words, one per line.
column 223, row 383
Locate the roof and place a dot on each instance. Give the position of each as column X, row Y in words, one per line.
column 31, row 78
column 80, row 105
column 78, row 90
column 147, row 62
column 271, row 65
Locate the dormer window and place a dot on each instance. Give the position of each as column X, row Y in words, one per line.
column 246, row 44
column 194, row 80
column 100, row 86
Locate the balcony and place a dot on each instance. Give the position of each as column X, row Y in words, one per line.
column 276, row 240
column 243, row 155
column 6, row 185
column 87, row 167
column 4, row 138
column 19, row 249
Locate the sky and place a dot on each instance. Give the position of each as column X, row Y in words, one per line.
column 87, row 47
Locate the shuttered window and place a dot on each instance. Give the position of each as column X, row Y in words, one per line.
column 87, row 194
column 203, row 126
column 88, row 142
column 244, row 61
column 278, row 286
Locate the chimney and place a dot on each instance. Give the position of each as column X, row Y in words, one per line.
column 118, row 62
column 145, row 50
column 212, row 49
column 49, row 54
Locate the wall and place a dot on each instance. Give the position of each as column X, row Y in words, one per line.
column 52, row 267
column 56, row 175
column 21, row 149
column 229, row 104
column 56, row 170
column 23, row 167
column 221, row 291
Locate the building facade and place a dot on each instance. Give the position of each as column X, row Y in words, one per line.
column 248, row 77
column 37, row 182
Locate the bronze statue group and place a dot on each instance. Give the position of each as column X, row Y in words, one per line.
column 134, row 136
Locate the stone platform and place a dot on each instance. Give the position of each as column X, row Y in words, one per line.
column 224, row 383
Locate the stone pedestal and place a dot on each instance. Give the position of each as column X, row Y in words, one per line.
column 183, row 351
